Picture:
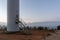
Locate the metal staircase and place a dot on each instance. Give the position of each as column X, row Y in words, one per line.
column 23, row 27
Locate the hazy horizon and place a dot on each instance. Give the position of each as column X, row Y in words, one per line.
column 34, row 10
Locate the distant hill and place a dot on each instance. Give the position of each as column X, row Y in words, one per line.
column 52, row 24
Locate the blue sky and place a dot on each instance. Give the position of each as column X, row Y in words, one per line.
column 34, row 10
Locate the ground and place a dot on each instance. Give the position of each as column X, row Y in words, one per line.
column 35, row 35
column 55, row 36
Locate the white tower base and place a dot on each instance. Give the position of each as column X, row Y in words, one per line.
column 12, row 11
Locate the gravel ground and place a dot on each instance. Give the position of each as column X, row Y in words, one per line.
column 36, row 35
column 54, row 36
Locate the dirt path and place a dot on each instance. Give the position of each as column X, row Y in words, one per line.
column 55, row 36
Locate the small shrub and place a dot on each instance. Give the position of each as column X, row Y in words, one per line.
column 58, row 27
column 46, row 28
column 40, row 28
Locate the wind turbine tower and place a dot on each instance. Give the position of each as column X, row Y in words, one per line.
column 12, row 15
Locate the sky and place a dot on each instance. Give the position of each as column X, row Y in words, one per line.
column 34, row 10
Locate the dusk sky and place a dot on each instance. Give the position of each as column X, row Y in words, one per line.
column 34, row 10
